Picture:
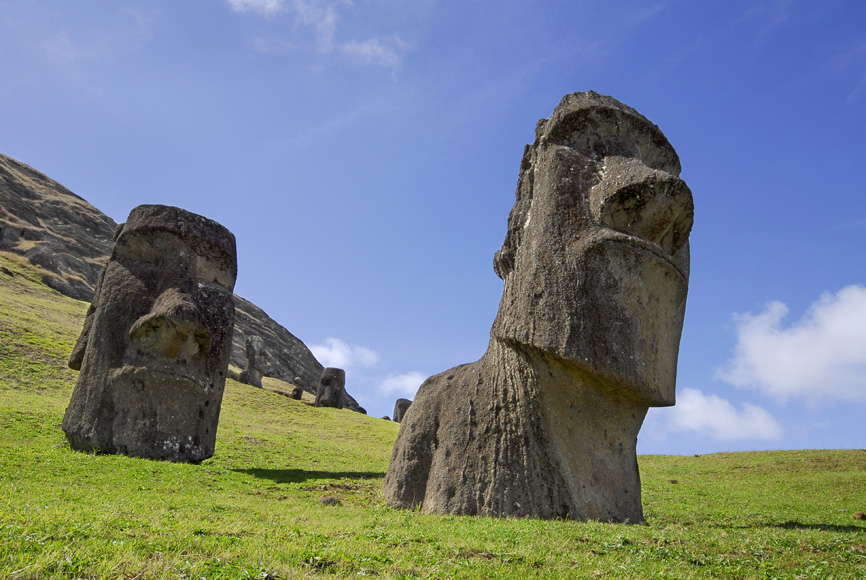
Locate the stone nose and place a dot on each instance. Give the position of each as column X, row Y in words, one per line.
column 173, row 329
column 653, row 205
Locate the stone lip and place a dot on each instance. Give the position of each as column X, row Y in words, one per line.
column 71, row 240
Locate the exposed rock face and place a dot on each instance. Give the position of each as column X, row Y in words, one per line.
column 155, row 346
column 595, row 268
column 59, row 231
column 53, row 228
column 400, row 408
column 252, row 374
column 332, row 388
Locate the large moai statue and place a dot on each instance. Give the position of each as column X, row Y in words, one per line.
column 155, row 347
column 332, row 388
column 252, row 375
column 595, row 266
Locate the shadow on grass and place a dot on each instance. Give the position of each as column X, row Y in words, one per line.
column 790, row 525
column 300, row 475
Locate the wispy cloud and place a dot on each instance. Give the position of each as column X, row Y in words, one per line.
column 105, row 39
column 322, row 18
column 768, row 15
column 853, row 62
column 372, row 52
column 404, row 385
column 708, row 415
column 266, row 7
column 333, row 352
column 821, row 357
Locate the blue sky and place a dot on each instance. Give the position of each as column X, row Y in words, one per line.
column 365, row 154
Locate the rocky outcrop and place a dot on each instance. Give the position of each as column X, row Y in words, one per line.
column 595, row 268
column 154, row 350
column 53, row 228
column 71, row 240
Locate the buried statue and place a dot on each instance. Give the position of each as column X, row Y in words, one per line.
column 595, row 266
column 154, row 350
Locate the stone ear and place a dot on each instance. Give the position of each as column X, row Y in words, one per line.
column 503, row 260
column 77, row 356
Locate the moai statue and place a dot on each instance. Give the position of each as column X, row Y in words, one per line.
column 297, row 393
column 332, row 388
column 155, row 347
column 595, row 267
column 252, row 375
column 400, row 408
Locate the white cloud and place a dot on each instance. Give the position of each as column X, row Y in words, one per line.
column 333, row 352
column 405, row 384
column 821, row 357
column 266, row 7
column 711, row 416
column 322, row 18
column 372, row 52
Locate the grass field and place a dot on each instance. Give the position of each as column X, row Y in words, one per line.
column 256, row 509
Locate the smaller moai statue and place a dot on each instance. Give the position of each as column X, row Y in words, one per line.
column 332, row 388
column 252, row 375
column 154, row 350
column 400, row 408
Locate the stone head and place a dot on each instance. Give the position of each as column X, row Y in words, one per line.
column 155, row 346
column 596, row 258
column 332, row 387
column 255, row 351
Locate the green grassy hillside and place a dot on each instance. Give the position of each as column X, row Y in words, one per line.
column 255, row 510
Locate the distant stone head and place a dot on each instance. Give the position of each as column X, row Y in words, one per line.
column 332, row 388
column 154, row 350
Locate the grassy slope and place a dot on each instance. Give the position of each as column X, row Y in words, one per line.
column 253, row 510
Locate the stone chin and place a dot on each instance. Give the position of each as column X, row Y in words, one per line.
column 626, row 331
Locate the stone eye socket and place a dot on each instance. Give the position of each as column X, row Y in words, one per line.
column 154, row 248
column 211, row 271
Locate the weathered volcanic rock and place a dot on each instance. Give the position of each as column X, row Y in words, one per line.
column 595, row 270
column 53, row 228
column 154, row 350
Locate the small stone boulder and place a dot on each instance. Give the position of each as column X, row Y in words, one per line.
column 332, row 388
